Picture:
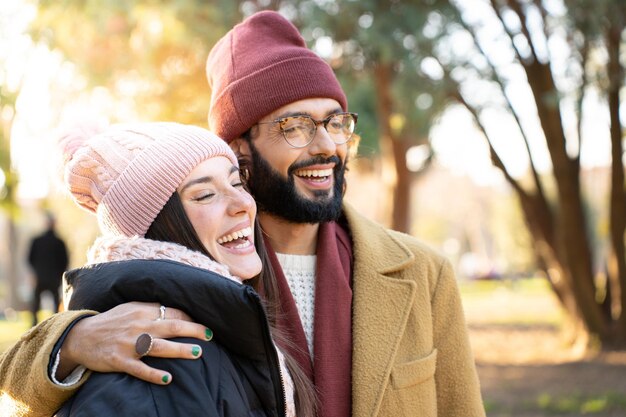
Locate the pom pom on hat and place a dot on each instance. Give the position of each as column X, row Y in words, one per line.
column 72, row 139
column 127, row 173
column 259, row 66
column 69, row 143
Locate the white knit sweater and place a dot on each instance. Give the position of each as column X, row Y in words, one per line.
column 299, row 271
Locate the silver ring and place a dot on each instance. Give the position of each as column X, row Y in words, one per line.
column 161, row 313
column 143, row 345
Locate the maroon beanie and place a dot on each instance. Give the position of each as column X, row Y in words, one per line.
column 259, row 66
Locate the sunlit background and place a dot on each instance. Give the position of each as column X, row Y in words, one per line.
column 448, row 85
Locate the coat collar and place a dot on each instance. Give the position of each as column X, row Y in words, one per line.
column 382, row 302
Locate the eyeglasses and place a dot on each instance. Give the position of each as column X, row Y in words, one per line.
column 299, row 131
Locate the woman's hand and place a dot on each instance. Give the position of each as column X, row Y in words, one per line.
column 106, row 342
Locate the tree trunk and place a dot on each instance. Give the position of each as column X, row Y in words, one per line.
column 572, row 239
column 562, row 242
column 401, row 214
column 541, row 226
column 393, row 151
column 617, row 262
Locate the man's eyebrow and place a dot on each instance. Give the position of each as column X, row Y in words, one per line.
column 206, row 179
column 305, row 113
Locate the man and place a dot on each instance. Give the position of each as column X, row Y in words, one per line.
column 374, row 316
column 48, row 258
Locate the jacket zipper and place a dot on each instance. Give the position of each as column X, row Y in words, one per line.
column 282, row 383
column 274, row 362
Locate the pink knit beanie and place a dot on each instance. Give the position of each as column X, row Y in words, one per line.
column 126, row 173
column 259, row 66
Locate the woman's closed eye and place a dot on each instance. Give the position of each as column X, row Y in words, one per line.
column 204, row 197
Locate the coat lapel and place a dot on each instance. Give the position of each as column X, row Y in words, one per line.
column 381, row 306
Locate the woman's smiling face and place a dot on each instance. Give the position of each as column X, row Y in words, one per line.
column 222, row 214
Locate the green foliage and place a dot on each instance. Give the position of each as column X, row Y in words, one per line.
column 152, row 52
column 368, row 34
column 359, row 90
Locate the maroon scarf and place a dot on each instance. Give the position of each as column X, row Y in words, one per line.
column 333, row 321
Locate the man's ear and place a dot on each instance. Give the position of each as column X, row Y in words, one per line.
column 241, row 147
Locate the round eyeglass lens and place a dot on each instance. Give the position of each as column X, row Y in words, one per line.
column 341, row 127
column 298, row 130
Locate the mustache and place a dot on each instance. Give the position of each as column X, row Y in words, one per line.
column 316, row 160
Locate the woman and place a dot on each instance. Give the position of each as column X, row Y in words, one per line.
column 179, row 229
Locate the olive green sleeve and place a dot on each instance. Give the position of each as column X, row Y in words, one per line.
column 26, row 388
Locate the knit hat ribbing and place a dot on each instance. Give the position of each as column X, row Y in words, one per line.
column 127, row 173
column 259, row 66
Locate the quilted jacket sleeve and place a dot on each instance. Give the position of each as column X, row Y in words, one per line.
column 194, row 390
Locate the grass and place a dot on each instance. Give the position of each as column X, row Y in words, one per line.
column 526, row 286
column 573, row 404
column 474, row 293
column 511, row 302
column 584, row 404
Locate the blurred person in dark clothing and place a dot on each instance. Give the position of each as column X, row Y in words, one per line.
column 48, row 258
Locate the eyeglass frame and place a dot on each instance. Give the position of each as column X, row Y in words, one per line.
column 324, row 121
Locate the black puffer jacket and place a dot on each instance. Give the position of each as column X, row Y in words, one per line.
column 238, row 373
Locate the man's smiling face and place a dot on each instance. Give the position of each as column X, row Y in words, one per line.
column 300, row 185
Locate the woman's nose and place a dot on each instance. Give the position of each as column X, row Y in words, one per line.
column 241, row 201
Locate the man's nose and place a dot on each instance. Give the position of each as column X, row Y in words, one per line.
column 322, row 143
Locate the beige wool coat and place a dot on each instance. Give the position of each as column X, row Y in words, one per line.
column 411, row 354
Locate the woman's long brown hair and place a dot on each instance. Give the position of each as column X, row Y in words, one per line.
column 173, row 225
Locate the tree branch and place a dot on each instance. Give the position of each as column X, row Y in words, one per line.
column 521, row 15
column 495, row 158
column 507, row 30
column 501, row 83
column 535, row 206
column 544, row 17
column 584, row 56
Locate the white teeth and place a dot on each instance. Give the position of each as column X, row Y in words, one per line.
column 243, row 245
column 314, row 172
column 236, row 235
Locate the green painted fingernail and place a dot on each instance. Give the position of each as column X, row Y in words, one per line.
column 195, row 351
column 208, row 333
column 165, row 378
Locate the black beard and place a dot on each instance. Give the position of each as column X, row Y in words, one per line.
column 278, row 196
